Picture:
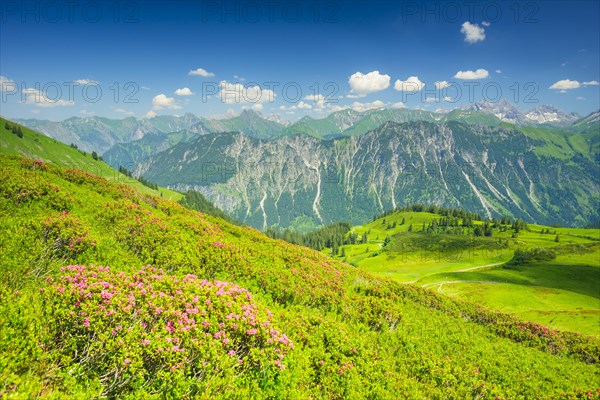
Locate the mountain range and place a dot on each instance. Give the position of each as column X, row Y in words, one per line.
column 490, row 158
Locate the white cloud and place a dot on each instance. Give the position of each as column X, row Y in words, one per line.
column 123, row 111
column 486, row 24
column 362, row 107
column 437, row 100
column 580, row 98
column 304, row 105
column 318, row 99
column 473, row 32
column 441, row 85
column 238, row 93
column 565, row 84
column 239, row 78
column 86, row 112
column 184, row 92
column 86, row 82
column 201, row 72
column 412, row 84
column 161, row 101
column 34, row 96
column 399, row 105
column 7, row 84
column 471, row 75
column 498, row 71
column 591, row 83
column 255, row 107
column 364, row 84
column 150, row 114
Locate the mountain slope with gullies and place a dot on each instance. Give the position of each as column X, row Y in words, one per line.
column 490, row 170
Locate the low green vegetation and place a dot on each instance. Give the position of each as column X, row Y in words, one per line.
column 549, row 275
column 108, row 291
column 37, row 146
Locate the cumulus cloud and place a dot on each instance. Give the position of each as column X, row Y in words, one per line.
column 471, row 75
column 160, row 102
column 486, row 24
column 255, row 107
column 301, row 105
column 34, row 96
column 398, row 105
column 201, row 72
column 565, row 84
column 412, row 84
column 7, row 84
column 591, row 83
column 86, row 112
column 150, row 114
column 436, row 99
column 364, row 84
column 184, row 92
column 498, row 71
column 473, row 32
column 86, row 82
column 123, row 111
column 362, row 107
column 441, row 85
column 318, row 99
column 239, row 93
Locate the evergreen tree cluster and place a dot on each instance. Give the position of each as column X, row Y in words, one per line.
column 331, row 236
column 141, row 179
column 15, row 129
column 433, row 209
column 196, row 201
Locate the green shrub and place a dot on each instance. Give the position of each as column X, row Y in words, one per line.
column 532, row 255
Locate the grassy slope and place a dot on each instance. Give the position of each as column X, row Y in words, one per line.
column 38, row 146
column 355, row 335
column 563, row 293
column 560, row 143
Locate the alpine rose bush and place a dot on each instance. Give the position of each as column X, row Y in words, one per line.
column 161, row 332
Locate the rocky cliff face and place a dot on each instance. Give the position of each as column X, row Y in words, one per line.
column 490, row 170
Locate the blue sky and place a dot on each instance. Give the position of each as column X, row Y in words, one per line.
column 293, row 58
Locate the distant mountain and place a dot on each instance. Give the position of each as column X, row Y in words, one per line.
column 248, row 122
column 543, row 114
column 99, row 134
column 494, row 171
column 129, row 154
column 588, row 124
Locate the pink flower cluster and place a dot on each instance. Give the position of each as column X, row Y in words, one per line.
column 173, row 314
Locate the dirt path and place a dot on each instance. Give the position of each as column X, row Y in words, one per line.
column 479, row 267
column 449, row 282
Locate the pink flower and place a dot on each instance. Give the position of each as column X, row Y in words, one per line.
column 170, row 327
column 86, row 322
column 231, row 353
column 145, row 342
column 127, row 361
column 252, row 331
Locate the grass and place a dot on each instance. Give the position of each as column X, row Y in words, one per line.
column 37, row 146
column 563, row 293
